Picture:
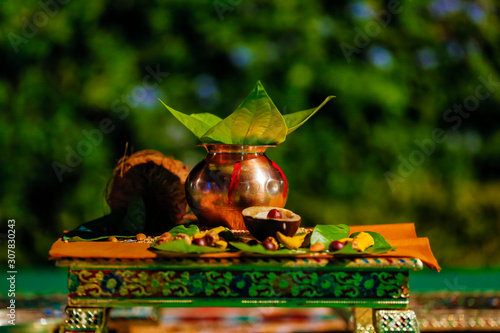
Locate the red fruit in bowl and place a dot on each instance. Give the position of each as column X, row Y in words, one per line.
column 274, row 214
column 336, row 246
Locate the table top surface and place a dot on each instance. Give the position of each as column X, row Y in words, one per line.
column 411, row 251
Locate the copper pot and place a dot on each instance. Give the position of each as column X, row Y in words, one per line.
column 230, row 179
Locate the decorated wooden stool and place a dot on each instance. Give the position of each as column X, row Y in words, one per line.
column 105, row 275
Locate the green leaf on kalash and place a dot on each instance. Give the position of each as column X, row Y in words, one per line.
column 297, row 119
column 256, row 121
column 198, row 123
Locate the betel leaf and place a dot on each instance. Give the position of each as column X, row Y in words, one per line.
column 95, row 229
column 208, row 118
column 381, row 246
column 297, row 119
column 181, row 229
column 198, row 123
column 103, row 238
column 256, row 121
column 259, row 249
column 180, row 246
column 325, row 233
column 119, row 224
column 228, row 236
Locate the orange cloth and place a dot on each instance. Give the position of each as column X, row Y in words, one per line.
column 118, row 250
column 404, row 237
column 401, row 235
column 389, row 231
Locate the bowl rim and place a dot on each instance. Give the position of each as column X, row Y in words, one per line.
column 293, row 216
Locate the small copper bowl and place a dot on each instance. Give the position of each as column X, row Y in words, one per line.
column 261, row 227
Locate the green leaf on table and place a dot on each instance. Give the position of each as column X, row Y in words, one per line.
column 98, row 228
column 381, row 244
column 297, row 119
column 181, row 229
column 256, row 121
column 180, row 246
column 228, row 236
column 119, row 224
column 259, row 249
column 325, row 233
column 103, row 238
column 198, row 124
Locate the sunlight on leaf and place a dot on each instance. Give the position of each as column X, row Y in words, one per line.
column 198, row 124
column 256, row 121
column 297, row 119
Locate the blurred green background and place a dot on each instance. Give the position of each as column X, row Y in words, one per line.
column 411, row 136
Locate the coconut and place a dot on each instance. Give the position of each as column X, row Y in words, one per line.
column 261, row 226
column 160, row 182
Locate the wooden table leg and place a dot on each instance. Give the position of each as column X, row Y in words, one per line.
column 85, row 319
column 395, row 321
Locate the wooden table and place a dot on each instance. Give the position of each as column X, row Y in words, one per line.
column 377, row 288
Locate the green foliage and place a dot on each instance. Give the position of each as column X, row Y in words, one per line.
column 197, row 123
column 394, row 84
column 256, row 121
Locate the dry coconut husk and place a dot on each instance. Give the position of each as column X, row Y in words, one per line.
column 159, row 180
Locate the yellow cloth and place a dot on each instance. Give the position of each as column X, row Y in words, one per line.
column 401, row 235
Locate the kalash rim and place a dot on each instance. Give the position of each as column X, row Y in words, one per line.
column 234, row 148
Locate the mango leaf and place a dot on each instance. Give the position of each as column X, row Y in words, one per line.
column 181, row 229
column 260, row 249
column 256, row 121
column 297, row 119
column 180, row 246
column 325, row 233
column 198, row 123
